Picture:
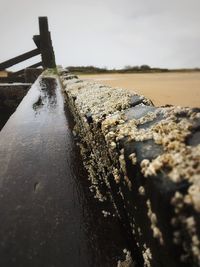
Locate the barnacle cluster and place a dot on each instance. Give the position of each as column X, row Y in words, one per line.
column 102, row 123
column 128, row 262
column 147, row 256
column 153, row 219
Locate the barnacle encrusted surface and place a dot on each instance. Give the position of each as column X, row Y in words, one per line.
column 145, row 161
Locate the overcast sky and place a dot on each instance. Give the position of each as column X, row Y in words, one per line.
column 108, row 33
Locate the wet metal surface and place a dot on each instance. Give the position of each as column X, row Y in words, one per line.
column 47, row 216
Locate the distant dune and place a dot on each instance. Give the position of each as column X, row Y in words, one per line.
column 181, row 89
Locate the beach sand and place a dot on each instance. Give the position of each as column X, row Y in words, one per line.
column 182, row 89
column 3, row 73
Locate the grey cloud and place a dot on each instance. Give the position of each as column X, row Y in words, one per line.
column 107, row 32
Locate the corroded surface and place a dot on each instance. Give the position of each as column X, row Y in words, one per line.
column 146, row 161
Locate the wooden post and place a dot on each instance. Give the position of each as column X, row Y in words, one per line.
column 46, row 48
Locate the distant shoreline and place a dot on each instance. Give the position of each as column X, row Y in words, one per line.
column 135, row 72
column 169, row 88
column 79, row 70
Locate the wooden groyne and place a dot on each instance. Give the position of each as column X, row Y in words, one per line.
column 14, row 85
column 142, row 163
column 145, row 160
column 48, row 215
column 44, row 48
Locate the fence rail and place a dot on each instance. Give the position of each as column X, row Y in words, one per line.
column 44, row 48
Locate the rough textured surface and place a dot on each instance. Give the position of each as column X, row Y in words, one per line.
column 145, row 160
column 10, row 97
column 12, row 94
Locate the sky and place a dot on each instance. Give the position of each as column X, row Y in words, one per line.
column 106, row 33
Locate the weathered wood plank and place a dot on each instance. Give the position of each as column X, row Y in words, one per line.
column 18, row 59
column 45, row 219
column 14, row 74
column 12, row 80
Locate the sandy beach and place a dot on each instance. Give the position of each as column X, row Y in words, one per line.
column 3, row 73
column 182, row 89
